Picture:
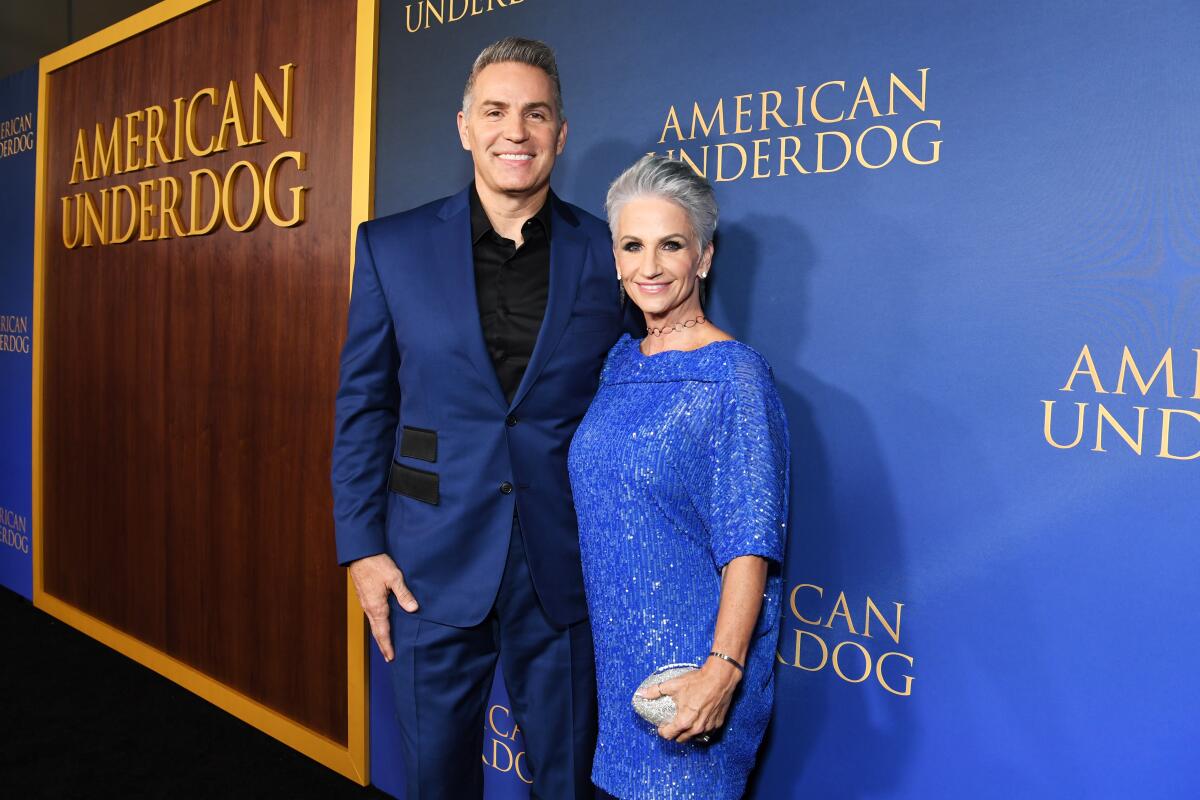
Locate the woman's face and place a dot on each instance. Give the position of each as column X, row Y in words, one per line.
column 658, row 256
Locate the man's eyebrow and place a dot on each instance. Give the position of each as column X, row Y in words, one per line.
column 536, row 105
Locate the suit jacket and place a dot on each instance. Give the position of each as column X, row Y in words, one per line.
column 430, row 461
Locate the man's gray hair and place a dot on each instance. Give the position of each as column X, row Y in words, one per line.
column 658, row 176
column 516, row 50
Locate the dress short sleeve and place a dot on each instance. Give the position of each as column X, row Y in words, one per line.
column 746, row 510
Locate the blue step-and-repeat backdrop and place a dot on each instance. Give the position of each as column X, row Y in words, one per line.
column 967, row 237
column 18, row 141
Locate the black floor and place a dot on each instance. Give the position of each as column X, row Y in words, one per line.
column 82, row 721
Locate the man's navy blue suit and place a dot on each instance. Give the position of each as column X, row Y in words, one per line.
column 467, row 492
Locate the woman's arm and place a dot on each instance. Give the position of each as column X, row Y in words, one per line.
column 702, row 697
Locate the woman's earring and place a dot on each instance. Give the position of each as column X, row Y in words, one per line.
column 621, row 289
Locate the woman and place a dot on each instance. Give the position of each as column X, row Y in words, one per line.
column 679, row 472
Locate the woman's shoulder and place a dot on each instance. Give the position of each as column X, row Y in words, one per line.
column 618, row 353
column 620, row 348
column 734, row 361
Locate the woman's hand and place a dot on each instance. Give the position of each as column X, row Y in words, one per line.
column 701, row 699
column 702, row 696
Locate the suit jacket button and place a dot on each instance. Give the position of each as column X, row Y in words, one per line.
column 506, row 488
column 511, row 421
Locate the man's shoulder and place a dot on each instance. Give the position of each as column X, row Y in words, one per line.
column 413, row 220
column 589, row 223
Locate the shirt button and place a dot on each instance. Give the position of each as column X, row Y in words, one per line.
column 506, row 488
column 510, row 421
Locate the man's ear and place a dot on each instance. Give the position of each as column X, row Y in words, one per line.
column 562, row 138
column 462, row 131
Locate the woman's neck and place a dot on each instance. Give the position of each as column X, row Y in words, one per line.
column 681, row 328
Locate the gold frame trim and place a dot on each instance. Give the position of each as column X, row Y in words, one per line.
column 362, row 202
column 351, row 760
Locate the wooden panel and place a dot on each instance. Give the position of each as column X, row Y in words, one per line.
column 189, row 382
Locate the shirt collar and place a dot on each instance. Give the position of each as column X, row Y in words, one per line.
column 480, row 224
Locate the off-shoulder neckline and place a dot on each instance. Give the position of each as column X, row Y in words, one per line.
column 637, row 346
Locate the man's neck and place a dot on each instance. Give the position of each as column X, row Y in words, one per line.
column 508, row 213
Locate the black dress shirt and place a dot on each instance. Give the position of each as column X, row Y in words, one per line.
column 511, row 286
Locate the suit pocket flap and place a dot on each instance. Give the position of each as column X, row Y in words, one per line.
column 415, row 483
column 418, row 443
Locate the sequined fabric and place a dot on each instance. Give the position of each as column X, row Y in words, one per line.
column 679, row 466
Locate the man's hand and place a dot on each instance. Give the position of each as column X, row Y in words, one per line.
column 374, row 577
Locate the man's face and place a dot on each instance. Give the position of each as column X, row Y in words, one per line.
column 512, row 129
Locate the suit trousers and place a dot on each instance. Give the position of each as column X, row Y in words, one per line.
column 442, row 678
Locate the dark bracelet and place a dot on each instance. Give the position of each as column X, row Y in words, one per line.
column 724, row 657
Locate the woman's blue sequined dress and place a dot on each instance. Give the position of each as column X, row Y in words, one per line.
column 679, row 466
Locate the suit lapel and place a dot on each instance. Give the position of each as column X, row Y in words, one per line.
column 568, row 249
column 456, row 266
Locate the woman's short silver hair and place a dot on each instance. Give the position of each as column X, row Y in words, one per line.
column 514, row 49
column 658, row 176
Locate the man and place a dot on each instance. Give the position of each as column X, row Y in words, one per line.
column 478, row 325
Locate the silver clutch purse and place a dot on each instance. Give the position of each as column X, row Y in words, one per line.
column 660, row 710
